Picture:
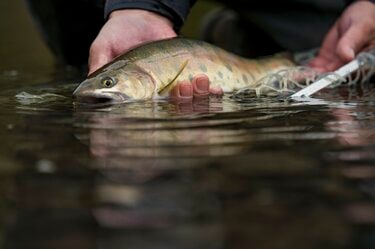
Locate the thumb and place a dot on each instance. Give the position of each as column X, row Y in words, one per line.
column 351, row 42
column 99, row 56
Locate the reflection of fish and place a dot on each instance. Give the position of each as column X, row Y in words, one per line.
column 153, row 69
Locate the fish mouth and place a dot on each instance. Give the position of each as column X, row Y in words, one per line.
column 100, row 98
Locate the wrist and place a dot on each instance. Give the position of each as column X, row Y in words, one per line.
column 144, row 14
column 154, row 22
column 155, row 7
column 142, row 25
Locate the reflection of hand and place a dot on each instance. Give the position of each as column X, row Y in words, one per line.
column 199, row 87
column 124, row 30
column 353, row 32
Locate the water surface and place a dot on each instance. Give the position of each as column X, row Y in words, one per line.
column 215, row 173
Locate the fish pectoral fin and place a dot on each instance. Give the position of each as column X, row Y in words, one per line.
column 168, row 87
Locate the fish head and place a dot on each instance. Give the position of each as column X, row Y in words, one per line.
column 116, row 85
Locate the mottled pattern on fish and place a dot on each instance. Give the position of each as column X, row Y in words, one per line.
column 174, row 60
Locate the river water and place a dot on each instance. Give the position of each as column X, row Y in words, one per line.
column 215, row 173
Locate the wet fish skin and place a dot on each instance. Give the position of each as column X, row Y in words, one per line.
column 153, row 69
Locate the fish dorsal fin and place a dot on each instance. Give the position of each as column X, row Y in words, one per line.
column 168, row 87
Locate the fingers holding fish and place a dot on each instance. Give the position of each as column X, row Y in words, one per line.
column 202, row 87
column 182, row 91
column 202, row 82
column 217, row 91
column 199, row 87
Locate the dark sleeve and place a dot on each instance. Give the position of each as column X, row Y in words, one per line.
column 175, row 10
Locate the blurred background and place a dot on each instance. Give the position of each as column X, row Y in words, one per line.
column 21, row 44
column 23, row 48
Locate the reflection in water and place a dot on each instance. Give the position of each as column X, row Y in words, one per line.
column 210, row 174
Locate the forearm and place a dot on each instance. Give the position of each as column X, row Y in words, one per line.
column 176, row 11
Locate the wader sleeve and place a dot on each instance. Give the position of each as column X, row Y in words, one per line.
column 175, row 10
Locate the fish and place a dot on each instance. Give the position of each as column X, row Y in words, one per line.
column 150, row 71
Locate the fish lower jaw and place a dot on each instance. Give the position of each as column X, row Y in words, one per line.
column 102, row 98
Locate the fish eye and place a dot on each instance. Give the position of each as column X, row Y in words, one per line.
column 108, row 82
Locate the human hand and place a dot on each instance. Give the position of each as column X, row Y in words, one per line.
column 352, row 33
column 124, row 30
column 199, row 87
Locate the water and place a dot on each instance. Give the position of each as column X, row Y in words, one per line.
column 210, row 174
